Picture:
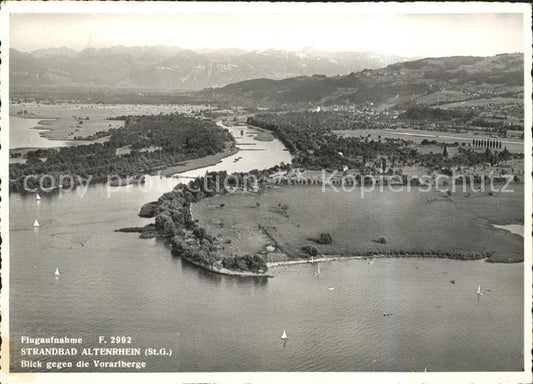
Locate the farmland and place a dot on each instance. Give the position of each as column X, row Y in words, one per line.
column 417, row 135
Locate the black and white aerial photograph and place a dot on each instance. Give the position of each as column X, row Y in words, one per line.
column 249, row 192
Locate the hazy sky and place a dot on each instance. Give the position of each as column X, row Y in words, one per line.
column 405, row 35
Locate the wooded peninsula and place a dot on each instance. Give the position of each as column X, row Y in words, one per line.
column 144, row 145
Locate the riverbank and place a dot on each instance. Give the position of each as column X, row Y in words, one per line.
column 263, row 134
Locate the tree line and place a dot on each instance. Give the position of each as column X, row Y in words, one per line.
column 173, row 220
column 486, row 143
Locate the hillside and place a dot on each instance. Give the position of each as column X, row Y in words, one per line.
column 174, row 68
column 428, row 82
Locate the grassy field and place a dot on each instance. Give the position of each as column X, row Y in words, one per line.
column 413, row 220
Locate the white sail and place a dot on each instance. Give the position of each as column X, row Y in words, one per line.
column 37, row 197
column 36, row 223
column 479, row 290
column 284, row 335
column 318, row 270
column 57, row 272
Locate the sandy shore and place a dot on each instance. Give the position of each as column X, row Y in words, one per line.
column 202, row 162
column 262, row 133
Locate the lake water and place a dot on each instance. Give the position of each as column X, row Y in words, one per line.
column 23, row 134
column 117, row 284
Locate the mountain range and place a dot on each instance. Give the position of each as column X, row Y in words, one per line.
column 429, row 81
column 174, row 68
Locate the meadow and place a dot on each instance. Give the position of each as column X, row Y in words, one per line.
column 412, row 221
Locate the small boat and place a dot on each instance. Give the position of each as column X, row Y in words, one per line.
column 331, row 289
column 284, row 335
column 57, row 273
column 37, row 197
column 479, row 293
column 318, row 270
column 36, row 223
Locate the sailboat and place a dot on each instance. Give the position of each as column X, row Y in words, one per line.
column 318, row 270
column 37, row 197
column 479, row 293
column 57, row 273
column 36, row 223
column 284, row 335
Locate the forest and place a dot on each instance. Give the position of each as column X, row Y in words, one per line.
column 176, row 137
column 417, row 112
column 173, row 220
column 310, row 139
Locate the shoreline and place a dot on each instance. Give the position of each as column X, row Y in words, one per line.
column 47, row 130
column 60, row 128
column 228, row 272
column 330, row 258
column 391, row 255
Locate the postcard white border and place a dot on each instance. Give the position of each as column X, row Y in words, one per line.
column 263, row 7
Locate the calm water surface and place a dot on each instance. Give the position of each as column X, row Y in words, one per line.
column 24, row 134
column 117, row 284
